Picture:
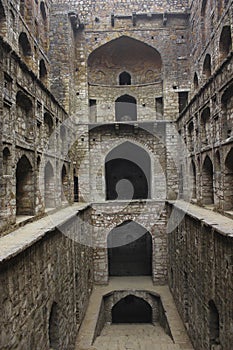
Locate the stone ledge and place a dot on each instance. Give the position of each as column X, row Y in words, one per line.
column 24, row 237
column 219, row 223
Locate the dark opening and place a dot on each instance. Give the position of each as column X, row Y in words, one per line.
column 129, row 250
column 76, row 197
column 159, row 107
column 127, row 173
column 228, row 197
column 213, row 324
column 49, row 186
column 183, row 100
column 24, row 187
column 132, row 309
column 64, row 187
column 126, row 108
column 125, row 78
column 43, row 10
column 93, row 110
column 194, row 180
column 207, row 185
column 225, row 44
column 207, row 66
column 54, row 328
column 195, row 81
column 42, row 70
column 24, row 45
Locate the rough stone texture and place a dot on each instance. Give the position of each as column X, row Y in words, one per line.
column 200, row 270
column 59, row 79
column 57, row 269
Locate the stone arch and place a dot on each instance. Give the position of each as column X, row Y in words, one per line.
column 194, row 179
column 207, row 181
column 214, row 327
column 48, row 124
column 24, row 44
column 24, row 187
column 124, row 54
column 228, row 183
column 205, row 126
column 129, row 250
column 207, row 66
column 195, row 81
column 227, row 105
column 128, row 172
column 76, row 186
column 125, row 78
column 42, row 70
column 64, row 184
column 49, row 186
column 3, row 26
column 6, row 161
column 54, row 327
column 126, row 108
column 43, row 11
column 132, row 309
column 225, row 42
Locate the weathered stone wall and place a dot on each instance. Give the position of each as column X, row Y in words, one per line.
column 150, row 215
column 33, row 130
column 200, row 270
column 55, row 273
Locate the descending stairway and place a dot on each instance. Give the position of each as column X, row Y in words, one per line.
column 135, row 337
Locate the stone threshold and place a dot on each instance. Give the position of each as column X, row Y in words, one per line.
column 23, row 237
column 87, row 329
column 218, row 222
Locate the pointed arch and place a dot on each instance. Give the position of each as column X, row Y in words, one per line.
column 24, row 187
column 214, row 327
column 128, row 172
column 129, row 250
column 132, row 309
column 225, row 42
column 54, row 327
column 207, row 66
column 124, row 78
column 126, row 108
column 49, row 186
column 195, row 81
column 207, row 181
column 228, row 181
column 24, row 45
column 194, row 179
column 65, row 184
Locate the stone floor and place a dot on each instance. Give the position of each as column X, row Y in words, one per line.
column 135, row 337
column 121, row 337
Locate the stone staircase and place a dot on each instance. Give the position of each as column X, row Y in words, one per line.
column 135, row 337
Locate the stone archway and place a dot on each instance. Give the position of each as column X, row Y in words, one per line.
column 24, row 187
column 126, row 108
column 132, row 309
column 129, row 250
column 128, row 173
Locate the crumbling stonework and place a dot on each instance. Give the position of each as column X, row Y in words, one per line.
column 87, row 83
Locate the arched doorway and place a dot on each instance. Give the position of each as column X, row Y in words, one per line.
column 24, row 187
column 129, row 250
column 49, row 188
column 54, row 328
column 132, row 309
column 228, row 183
column 124, row 78
column 207, row 182
column 128, row 173
column 126, row 108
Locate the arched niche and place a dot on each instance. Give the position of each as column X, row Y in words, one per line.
column 126, row 108
column 207, row 182
column 24, row 45
column 124, row 54
column 225, row 42
column 129, row 250
column 228, row 181
column 49, row 186
column 132, row 309
column 124, row 78
column 128, row 173
column 24, row 187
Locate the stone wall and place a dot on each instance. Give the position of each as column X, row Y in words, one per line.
column 45, row 290
column 150, row 215
column 200, row 274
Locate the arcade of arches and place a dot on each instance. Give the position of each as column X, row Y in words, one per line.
column 116, row 174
